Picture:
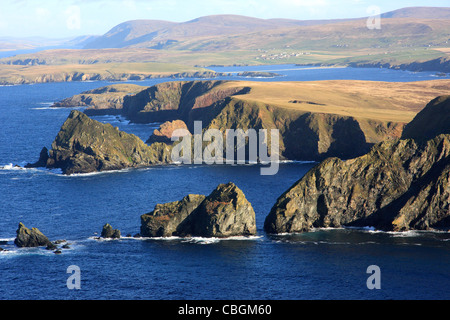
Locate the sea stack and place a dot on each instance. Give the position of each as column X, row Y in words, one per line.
column 30, row 237
column 224, row 213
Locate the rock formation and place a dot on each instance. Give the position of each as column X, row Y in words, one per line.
column 165, row 132
column 434, row 119
column 224, row 213
column 42, row 162
column 110, row 233
column 30, row 238
column 104, row 100
column 165, row 220
column 399, row 185
column 85, row 145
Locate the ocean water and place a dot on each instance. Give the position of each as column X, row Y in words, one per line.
column 322, row 264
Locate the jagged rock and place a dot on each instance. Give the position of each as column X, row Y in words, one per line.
column 165, row 132
column 109, row 232
column 399, row 185
column 84, row 145
column 165, row 219
column 30, row 238
column 434, row 119
column 42, row 162
column 224, row 213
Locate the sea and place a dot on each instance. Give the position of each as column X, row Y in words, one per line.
column 324, row 264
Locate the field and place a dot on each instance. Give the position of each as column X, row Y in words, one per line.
column 384, row 101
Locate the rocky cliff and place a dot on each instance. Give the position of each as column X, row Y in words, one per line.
column 85, row 145
column 304, row 135
column 399, row 185
column 431, row 121
column 165, row 132
column 104, row 100
column 175, row 100
column 224, row 213
column 324, row 120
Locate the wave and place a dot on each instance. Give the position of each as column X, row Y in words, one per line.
column 196, row 240
column 15, row 167
column 96, row 173
column 12, row 167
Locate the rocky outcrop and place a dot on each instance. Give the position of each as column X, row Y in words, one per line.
column 224, row 213
column 42, row 162
column 222, row 105
column 167, row 219
column 109, row 233
column 441, row 64
column 30, row 237
column 104, row 100
column 84, row 145
column 399, row 185
column 165, row 132
column 174, row 100
column 258, row 74
column 434, row 119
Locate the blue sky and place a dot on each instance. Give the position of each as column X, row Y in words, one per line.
column 69, row 18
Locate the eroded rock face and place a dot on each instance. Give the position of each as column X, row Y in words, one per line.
column 434, row 119
column 165, row 220
column 110, row 233
column 30, row 237
column 224, row 213
column 104, row 100
column 166, row 130
column 399, row 185
column 84, row 145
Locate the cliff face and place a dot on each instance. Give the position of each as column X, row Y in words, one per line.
column 432, row 120
column 399, row 185
column 104, row 100
column 304, row 135
column 85, row 145
column 309, row 129
column 173, row 100
column 224, row 213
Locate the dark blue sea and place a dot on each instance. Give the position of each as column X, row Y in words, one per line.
column 323, row 264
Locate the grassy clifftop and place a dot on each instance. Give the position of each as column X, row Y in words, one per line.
column 315, row 119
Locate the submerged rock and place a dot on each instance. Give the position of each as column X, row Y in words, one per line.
column 224, row 213
column 84, row 145
column 399, row 185
column 30, row 238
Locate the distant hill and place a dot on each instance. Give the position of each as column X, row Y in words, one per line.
column 155, row 33
column 216, row 31
column 128, row 33
column 419, row 13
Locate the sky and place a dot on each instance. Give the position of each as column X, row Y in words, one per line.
column 71, row 18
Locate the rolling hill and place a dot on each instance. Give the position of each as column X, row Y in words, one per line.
column 230, row 29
